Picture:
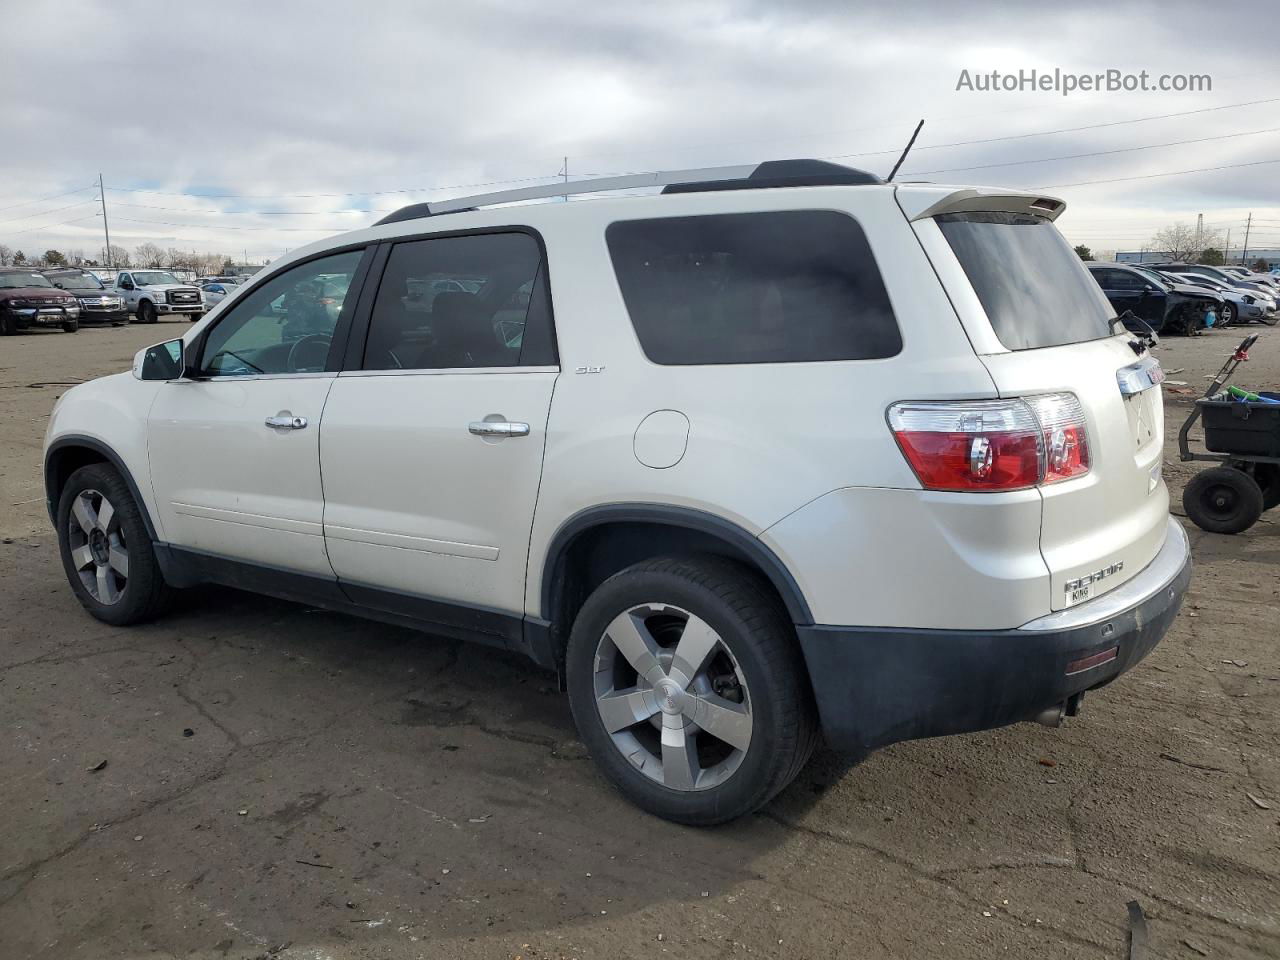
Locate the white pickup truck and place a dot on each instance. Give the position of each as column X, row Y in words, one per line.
column 150, row 293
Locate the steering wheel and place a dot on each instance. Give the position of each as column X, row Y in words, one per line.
column 318, row 342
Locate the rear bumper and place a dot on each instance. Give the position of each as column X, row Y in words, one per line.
column 875, row 686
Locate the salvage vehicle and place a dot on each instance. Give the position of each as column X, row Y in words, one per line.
column 27, row 300
column 151, row 294
column 97, row 303
column 783, row 450
column 1239, row 306
column 1249, row 286
column 1161, row 303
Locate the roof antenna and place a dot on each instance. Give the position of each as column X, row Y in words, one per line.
column 910, row 144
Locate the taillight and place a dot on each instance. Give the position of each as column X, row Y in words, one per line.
column 992, row 445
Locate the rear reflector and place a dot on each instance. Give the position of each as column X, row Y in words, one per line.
column 993, row 445
column 1088, row 663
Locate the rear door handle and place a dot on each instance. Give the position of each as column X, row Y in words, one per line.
column 287, row 421
column 498, row 428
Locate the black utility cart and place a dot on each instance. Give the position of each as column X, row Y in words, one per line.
column 1244, row 438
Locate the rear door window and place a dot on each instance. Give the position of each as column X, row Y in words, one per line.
column 1034, row 288
column 779, row 287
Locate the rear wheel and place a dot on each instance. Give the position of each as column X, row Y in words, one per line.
column 106, row 551
column 1223, row 500
column 146, row 312
column 687, row 686
column 8, row 326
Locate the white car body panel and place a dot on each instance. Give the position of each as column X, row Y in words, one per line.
column 226, row 483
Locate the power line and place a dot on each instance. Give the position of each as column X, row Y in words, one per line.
column 208, row 226
column 1046, row 133
column 320, row 196
column 50, row 226
column 1098, row 153
column 1152, row 176
column 54, row 196
column 45, row 213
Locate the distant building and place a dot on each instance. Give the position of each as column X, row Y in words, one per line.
column 1269, row 254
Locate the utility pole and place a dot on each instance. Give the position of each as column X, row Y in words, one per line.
column 565, row 172
column 1226, row 254
column 1244, row 253
column 106, row 230
column 1199, row 229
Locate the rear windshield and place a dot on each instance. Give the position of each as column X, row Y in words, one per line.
column 1033, row 286
column 779, row 287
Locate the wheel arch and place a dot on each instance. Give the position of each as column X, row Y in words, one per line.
column 596, row 543
column 68, row 454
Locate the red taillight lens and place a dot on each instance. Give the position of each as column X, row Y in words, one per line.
column 992, row 445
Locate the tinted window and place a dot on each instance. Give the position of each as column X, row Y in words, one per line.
column 1033, row 287
column 474, row 301
column 284, row 325
column 784, row 287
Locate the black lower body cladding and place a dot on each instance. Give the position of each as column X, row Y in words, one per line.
column 876, row 686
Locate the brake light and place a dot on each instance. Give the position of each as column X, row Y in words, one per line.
column 993, row 445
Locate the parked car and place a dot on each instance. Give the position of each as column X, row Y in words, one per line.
column 28, row 299
column 150, row 294
column 215, row 293
column 97, row 303
column 1166, row 306
column 838, row 455
column 1215, row 272
column 1239, row 305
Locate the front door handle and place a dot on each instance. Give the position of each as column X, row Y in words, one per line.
column 287, row 421
column 498, row 428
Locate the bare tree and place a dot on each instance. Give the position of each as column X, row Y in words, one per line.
column 1180, row 241
column 6, row 255
column 119, row 257
column 148, row 255
column 76, row 257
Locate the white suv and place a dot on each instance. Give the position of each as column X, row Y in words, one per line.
column 781, row 450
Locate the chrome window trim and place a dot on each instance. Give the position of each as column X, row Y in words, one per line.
column 241, row 378
column 439, row 371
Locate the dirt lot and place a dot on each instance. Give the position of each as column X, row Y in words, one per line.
column 284, row 782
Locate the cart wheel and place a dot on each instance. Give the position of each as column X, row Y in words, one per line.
column 1267, row 476
column 1223, row 500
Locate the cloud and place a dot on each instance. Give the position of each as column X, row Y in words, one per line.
column 275, row 100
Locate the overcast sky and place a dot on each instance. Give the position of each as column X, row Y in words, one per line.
column 351, row 101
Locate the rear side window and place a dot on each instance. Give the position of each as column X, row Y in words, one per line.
column 463, row 301
column 781, row 287
column 1033, row 286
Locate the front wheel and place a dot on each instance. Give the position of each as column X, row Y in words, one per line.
column 106, row 551
column 1270, row 319
column 687, row 685
column 1223, row 500
column 1227, row 315
column 146, row 312
column 70, row 326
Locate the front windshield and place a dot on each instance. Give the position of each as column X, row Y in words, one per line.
column 78, row 281
column 148, row 278
column 12, row 280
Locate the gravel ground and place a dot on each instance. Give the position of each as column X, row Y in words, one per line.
column 284, row 782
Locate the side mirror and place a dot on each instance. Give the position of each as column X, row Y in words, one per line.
column 161, row 361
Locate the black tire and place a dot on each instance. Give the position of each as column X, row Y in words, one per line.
column 8, row 326
column 71, row 326
column 754, row 631
column 147, row 312
column 1267, row 476
column 144, row 594
column 1223, row 500
column 1226, row 316
column 1270, row 319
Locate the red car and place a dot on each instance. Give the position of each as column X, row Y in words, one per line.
column 28, row 299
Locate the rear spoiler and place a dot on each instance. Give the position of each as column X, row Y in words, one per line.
column 919, row 202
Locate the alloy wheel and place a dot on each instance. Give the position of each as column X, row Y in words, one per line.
column 99, row 552
column 672, row 697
